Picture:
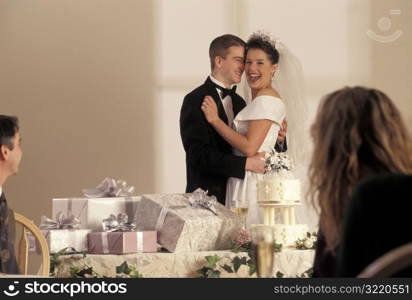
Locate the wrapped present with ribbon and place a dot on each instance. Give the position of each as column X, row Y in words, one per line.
column 119, row 237
column 110, row 188
column 189, row 222
column 63, row 232
column 109, row 197
column 119, row 223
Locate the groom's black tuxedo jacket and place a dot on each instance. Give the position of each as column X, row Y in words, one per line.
column 209, row 158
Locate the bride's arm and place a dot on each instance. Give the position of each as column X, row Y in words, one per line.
column 249, row 144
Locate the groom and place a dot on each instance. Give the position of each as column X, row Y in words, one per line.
column 209, row 158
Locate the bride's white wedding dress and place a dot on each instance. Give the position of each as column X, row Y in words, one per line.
column 243, row 193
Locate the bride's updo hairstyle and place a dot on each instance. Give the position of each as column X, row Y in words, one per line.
column 262, row 41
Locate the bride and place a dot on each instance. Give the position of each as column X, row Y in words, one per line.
column 256, row 127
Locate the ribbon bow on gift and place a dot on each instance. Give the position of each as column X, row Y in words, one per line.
column 110, row 188
column 199, row 198
column 119, row 223
column 61, row 222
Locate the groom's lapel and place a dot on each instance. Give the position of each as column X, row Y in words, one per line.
column 238, row 104
column 211, row 89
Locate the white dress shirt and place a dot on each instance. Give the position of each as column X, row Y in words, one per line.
column 227, row 101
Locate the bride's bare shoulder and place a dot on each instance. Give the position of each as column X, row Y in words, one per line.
column 268, row 92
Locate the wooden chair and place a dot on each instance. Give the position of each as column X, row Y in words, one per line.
column 390, row 263
column 23, row 246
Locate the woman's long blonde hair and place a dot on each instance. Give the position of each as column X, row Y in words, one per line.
column 357, row 132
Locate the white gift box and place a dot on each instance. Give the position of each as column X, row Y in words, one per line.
column 182, row 228
column 92, row 211
column 59, row 239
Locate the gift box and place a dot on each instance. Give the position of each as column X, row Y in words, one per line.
column 184, row 227
column 91, row 211
column 66, row 238
column 122, row 242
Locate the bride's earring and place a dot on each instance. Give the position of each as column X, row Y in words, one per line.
column 273, row 75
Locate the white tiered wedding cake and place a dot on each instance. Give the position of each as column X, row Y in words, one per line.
column 278, row 194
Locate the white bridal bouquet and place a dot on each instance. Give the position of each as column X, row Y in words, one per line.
column 278, row 162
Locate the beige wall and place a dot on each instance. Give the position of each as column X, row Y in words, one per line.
column 79, row 75
column 328, row 36
column 391, row 63
column 98, row 84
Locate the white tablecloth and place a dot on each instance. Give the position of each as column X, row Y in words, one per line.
column 3, row 275
column 290, row 262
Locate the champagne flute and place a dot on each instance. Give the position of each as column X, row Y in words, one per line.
column 242, row 212
column 263, row 242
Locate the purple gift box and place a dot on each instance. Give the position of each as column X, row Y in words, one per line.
column 122, row 242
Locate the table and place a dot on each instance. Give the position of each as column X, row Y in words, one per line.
column 290, row 262
column 4, row 275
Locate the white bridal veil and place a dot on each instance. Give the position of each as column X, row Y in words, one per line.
column 288, row 81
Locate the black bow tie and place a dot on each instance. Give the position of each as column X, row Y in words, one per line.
column 226, row 92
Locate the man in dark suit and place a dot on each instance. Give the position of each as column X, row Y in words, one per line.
column 10, row 157
column 209, row 158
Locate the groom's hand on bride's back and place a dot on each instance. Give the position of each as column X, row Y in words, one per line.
column 256, row 163
column 282, row 131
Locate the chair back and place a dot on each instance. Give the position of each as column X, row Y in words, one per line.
column 23, row 245
column 390, row 263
